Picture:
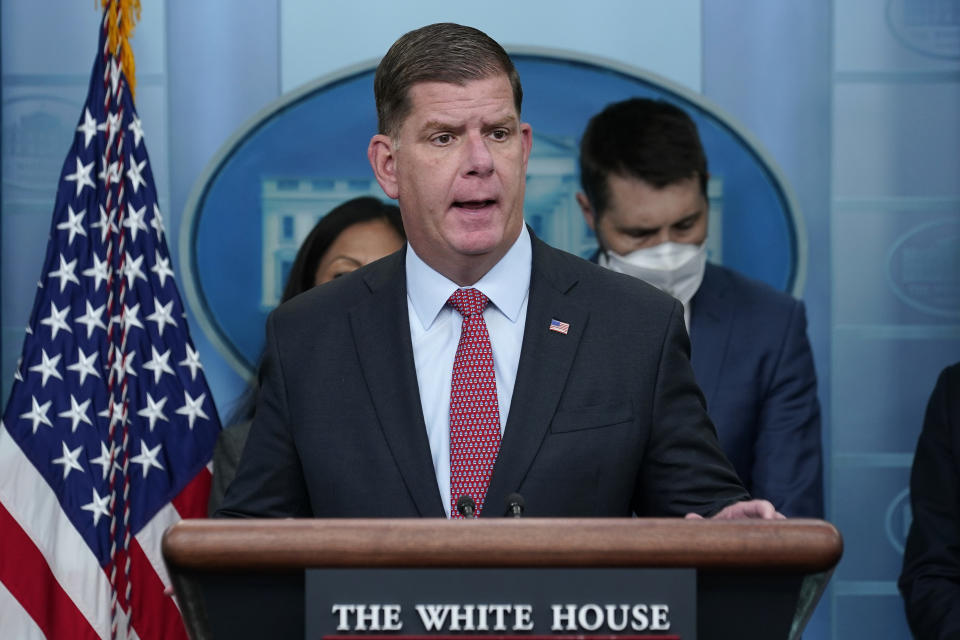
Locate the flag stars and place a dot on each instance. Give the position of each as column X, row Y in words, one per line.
column 47, row 368
column 111, row 125
column 137, row 129
column 98, row 506
column 98, row 272
column 135, row 177
column 106, row 224
column 154, row 410
column 88, row 128
column 193, row 408
column 131, row 317
column 65, row 273
column 158, row 364
column 115, row 70
column 74, row 224
column 134, row 220
column 92, row 319
column 147, row 458
column 131, row 267
column 57, row 320
column 84, row 364
column 162, row 315
column 192, row 361
column 157, row 221
column 162, row 268
column 124, row 366
column 109, row 171
column 69, row 460
column 113, row 412
column 105, row 459
column 38, row 414
column 81, row 176
column 77, row 413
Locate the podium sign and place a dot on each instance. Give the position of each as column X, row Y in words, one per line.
column 299, row 578
column 492, row 604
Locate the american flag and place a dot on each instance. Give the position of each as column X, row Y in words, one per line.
column 110, row 426
column 559, row 327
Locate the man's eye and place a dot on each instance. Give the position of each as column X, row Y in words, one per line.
column 499, row 134
column 443, row 138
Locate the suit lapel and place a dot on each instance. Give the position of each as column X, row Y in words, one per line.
column 381, row 332
column 711, row 322
column 545, row 360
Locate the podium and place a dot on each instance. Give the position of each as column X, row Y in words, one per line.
column 246, row 578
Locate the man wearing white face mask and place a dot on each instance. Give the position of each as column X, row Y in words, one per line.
column 644, row 178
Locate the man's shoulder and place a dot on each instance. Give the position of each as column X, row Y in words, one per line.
column 337, row 297
column 750, row 294
column 593, row 281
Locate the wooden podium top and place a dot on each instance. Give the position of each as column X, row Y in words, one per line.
column 792, row 546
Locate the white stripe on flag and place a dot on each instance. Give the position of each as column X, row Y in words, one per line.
column 17, row 623
column 33, row 504
column 150, row 536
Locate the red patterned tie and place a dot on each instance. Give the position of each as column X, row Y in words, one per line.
column 474, row 413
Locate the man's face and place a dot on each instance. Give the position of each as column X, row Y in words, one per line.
column 458, row 168
column 639, row 215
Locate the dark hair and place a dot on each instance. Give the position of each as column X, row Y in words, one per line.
column 443, row 52
column 303, row 272
column 639, row 138
column 304, row 269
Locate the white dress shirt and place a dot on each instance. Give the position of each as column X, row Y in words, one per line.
column 435, row 332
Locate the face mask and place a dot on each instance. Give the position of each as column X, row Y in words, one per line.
column 673, row 267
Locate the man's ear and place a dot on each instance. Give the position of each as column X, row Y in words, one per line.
column 588, row 214
column 382, row 156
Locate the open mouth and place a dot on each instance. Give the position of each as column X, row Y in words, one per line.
column 474, row 205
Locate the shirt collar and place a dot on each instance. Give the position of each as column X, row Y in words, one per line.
column 428, row 290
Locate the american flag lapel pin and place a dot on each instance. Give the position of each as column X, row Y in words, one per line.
column 559, row 327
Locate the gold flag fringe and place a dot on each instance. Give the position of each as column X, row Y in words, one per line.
column 122, row 18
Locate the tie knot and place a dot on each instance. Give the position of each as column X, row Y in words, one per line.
column 468, row 301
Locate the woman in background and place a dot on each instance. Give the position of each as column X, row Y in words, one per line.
column 352, row 235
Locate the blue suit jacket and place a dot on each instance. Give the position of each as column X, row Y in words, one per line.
column 753, row 361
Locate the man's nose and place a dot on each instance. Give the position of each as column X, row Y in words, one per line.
column 479, row 159
column 658, row 237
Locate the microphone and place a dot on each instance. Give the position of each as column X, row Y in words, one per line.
column 515, row 505
column 466, row 506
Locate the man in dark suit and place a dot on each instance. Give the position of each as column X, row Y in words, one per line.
column 478, row 361
column 930, row 580
column 644, row 177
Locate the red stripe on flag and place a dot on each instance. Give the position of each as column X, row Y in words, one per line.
column 192, row 501
column 24, row 571
column 155, row 616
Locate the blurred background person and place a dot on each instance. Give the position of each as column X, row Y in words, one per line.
column 644, row 176
column 350, row 236
column 930, row 580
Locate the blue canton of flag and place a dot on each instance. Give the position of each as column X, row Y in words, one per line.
column 110, row 426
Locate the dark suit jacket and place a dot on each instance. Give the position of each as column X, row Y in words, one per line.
column 930, row 581
column 605, row 421
column 226, row 459
column 752, row 358
column 753, row 361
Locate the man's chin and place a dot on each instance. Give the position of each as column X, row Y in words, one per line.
column 481, row 242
